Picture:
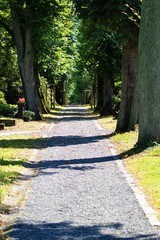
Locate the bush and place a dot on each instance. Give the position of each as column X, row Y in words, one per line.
column 7, row 110
column 2, row 98
column 116, row 105
column 29, row 116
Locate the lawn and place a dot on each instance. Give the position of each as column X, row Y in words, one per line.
column 15, row 150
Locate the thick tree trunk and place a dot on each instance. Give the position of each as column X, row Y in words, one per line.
column 149, row 72
column 128, row 114
column 41, row 97
column 99, row 94
column 26, row 65
column 107, row 106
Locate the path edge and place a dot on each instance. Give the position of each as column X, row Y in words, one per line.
column 140, row 196
column 10, row 206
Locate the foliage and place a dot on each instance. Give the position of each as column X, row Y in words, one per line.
column 74, row 50
column 2, row 98
column 117, row 93
column 10, row 83
column 82, row 81
column 55, row 46
column 98, row 51
column 29, row 115
column 120, row 17
column 7, row 110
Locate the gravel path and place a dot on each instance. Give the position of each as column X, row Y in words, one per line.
column 80, row 193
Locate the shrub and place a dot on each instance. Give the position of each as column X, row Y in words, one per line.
column 7, row 110
column 2, row 98
column 29, row 115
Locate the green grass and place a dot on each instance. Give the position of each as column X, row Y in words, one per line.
column 7, row 176
column 145, row 166
column 108, row 122
column 142, row 161
column 15, row 150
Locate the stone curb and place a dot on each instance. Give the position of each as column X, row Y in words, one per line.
column 148, row 210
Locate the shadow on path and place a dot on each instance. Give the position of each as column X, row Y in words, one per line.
column 55, row 141
column 63, row 141
column 86, row 163
column 75, row 114
column 67, row 231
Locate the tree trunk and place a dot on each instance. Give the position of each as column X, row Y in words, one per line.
column 99, row 94
column 107, row 106
column 41, row 97
column 26, row 64
column 149, row 72
column 128, row 113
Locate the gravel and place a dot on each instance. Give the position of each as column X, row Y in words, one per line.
column 80, row 193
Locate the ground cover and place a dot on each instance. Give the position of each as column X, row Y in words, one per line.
column 143, row 162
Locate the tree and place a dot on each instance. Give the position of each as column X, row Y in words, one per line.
column 44, row 42
column 26, row 18
column 10, row 82
column 56, row 58
column 149, row 72
column 122, row 17
column 99, row 54
column 128, row 113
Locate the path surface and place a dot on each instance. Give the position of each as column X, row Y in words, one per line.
column 80, row 193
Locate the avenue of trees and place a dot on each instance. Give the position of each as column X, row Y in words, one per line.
column 81, row 51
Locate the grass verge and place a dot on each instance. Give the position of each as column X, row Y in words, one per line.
column 15, row 150
column 142, row 162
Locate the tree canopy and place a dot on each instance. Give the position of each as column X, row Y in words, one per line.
column 78, row 46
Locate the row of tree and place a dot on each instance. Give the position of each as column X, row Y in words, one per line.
column 117, row 28
column 119, row 25
column 75, row 46
column 42, row 35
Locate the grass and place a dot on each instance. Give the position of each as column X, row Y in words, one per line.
column 108, row 122
column 15, row 150
column 34, row 125
column 142, row 162
column 146, row 168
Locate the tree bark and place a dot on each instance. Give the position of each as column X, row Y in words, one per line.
column 107, row 105
column 41, row 97
column 128, row 114
column 149, row 72
column 23, row 41
column 99, row 93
